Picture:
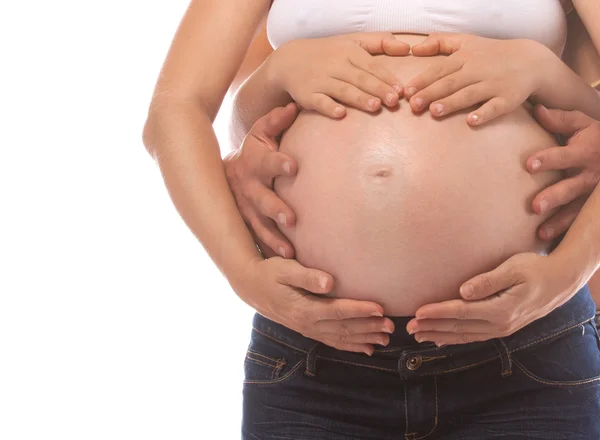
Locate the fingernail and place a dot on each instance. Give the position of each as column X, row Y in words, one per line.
column 323, row 282
column 281, row 218
column 386, row 329
column 419, row 103
column 281, row 251
column 287, row 167
column 411, row 331
column 438, row 109
column 410, row 92
column 390, row 97
column 536, row 164
column 397, row 88
column 474, row 119
column 339, row 112
column 543, row 206
column 368, row 353
column 379, row 315
column 373, row 103
column 384, row 342
column 467, row 291
column 439, row 344
column 419, row 339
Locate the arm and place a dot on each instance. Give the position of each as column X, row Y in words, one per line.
column 199, row 69
column 200, row 66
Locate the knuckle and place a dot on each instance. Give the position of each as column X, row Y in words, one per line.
column 347, row 330
column 464, row 338
column 457, row 327
column 342, row 339
column 338, row 313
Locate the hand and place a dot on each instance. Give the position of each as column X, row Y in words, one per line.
column 250, row 172
column 502, row 74
column 496, row 304
column 315, row 72
column 580, row 158
column 281, row 289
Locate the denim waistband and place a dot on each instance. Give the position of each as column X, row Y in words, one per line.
column 405, row 356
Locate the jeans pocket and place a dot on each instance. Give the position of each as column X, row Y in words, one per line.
column 570, row 360
column 270, row 362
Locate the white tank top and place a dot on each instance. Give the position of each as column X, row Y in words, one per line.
column 541, row 20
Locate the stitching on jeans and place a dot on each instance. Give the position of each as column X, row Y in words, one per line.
column 273, row 360
column 551, row 336
column 355, row 364
column 406, row 434
column 556, row 383
column 278, row 341
column 259, row 362
column 432, row 358
column 282, row 378
column 413, row 435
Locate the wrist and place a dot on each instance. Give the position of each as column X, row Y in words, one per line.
column 572, row 271
column 545, row 62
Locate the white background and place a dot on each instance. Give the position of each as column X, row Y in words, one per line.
column 114, row 324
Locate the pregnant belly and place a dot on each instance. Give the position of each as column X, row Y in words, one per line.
column 401, row 208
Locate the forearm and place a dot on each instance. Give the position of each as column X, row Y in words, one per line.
column 580, row 248
column 564, row 89
column 181, row 139
column 255, row 98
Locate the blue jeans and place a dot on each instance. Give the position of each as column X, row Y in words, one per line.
column 542, row 382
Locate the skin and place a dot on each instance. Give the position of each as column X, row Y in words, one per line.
column 591, row 106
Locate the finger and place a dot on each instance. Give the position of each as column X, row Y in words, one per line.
column 564, row 192
column 555, row 158
column 560, row 121
column 321, row 103
column 313, row 280
column 363, row 338
column 267, row 203
column 371, row 77
column 352, row 95
column 487, row 284
column 439, row 44
column 561, row 221
column 379, row 43
column 356, row 326
column 274, row 164
column 495, row 107
column 456, row 309
column 441, row 339
column 449, row 326
column 462, row 99
column 267, row 232
column 442, row 88
column 438, row 71
column 340, row 309
column 275, row 122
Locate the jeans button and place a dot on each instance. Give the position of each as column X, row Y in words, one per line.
column 414, row 362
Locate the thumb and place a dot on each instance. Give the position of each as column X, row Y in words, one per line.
column 560, row 121
column 275, row 122
column 490, row 283
column 293, row 274
column 439, row 43
column 378, row 43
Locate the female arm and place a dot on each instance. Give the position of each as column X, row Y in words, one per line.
column 199, row 69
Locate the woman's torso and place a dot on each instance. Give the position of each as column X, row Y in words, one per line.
column 401, row 209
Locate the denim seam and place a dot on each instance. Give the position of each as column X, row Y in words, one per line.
column 574, row 383
column 355, row 364
column 281, row 379
column 435, row 422
column 550, row 336
column 259, row 362
column 275, row 361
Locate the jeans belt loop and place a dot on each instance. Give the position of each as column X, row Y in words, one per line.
column 311, row 361
column 504, row 357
